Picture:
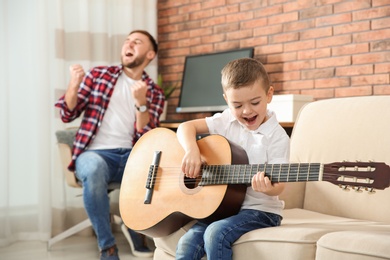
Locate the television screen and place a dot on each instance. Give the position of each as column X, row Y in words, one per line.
column 201, row 89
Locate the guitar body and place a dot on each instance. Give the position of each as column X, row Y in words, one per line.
column 176, row 200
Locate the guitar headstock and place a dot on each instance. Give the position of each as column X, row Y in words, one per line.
column 358, row 175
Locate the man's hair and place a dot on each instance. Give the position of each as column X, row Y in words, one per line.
column 152, row 40
column 244, row 72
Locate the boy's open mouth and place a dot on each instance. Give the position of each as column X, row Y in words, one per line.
column 250, row 119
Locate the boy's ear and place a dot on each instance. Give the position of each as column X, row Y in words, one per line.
column 224, row 97
column 270, row 94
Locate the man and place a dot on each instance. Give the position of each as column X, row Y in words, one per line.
column 120, row 104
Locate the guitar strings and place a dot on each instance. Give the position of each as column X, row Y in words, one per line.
column 244, row 175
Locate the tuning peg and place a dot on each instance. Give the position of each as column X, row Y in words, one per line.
column 370, row 190
column 357, row 189
column 344, row 187
column 369, row 167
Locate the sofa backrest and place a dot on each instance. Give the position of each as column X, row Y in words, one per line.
column 350, row 129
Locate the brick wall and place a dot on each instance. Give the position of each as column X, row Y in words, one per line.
column 323, row 48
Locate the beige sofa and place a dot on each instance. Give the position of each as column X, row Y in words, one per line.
column 321, row 220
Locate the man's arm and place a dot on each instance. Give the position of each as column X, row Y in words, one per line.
column 139, row 90
column 76, row 77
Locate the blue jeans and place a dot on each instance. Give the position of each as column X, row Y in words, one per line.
column 216, row 240
column 96, row 169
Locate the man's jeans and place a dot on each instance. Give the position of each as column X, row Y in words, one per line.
column 96, row 169
column 215, row 240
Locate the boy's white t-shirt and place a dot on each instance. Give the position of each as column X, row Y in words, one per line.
column 268, row 144
column 117, row 127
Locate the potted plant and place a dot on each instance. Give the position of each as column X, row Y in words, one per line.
column 168, row 90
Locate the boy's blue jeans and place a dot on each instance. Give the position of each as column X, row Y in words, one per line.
column 96, row 169
column 215, row 240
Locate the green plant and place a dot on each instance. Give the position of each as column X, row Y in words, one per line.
column 168, row 89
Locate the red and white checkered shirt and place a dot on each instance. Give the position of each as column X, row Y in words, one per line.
column 93, row 99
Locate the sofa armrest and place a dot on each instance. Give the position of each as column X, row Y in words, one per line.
column 350, row 129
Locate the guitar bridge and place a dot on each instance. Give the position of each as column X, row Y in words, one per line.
column 152, row 177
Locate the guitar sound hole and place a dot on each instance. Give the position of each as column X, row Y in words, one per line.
column 191, row 183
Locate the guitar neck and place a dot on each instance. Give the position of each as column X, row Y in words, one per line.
column 243, row 173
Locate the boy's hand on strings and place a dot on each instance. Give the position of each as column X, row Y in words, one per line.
column 191, row 163
column 262, row 183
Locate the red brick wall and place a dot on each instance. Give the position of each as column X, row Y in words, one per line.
column 323, row 48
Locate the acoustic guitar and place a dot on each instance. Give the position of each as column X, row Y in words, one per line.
column 156, row 198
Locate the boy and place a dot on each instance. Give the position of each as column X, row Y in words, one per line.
column 246, row 122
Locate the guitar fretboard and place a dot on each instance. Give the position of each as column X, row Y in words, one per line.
column 243, row 173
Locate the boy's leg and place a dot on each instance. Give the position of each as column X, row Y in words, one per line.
column 191, row 244
column 220, row 235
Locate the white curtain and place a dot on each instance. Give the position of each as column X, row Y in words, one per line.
column 39, row 39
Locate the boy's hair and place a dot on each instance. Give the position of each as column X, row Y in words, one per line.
column 244, row 72
column 152, row 40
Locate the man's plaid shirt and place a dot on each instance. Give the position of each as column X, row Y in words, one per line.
column 93, row 99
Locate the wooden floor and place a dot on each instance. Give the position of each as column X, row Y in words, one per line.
column 72, row 248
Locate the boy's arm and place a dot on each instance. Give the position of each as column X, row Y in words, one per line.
column 186, row 134
column 263, row 184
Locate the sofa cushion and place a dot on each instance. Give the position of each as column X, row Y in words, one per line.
column 357, row 245
column 296, row 238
